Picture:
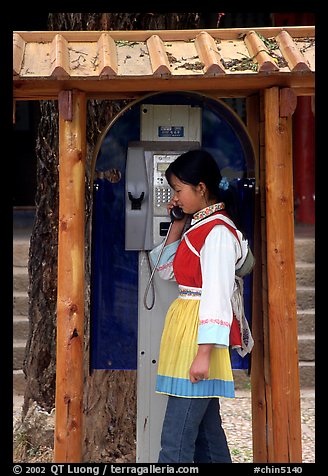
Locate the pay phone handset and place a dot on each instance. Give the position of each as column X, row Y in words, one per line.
column 177, row 213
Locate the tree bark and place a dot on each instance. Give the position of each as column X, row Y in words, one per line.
column 39, row 362
column 109, row 403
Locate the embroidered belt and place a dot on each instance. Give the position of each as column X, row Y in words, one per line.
column 186, row 292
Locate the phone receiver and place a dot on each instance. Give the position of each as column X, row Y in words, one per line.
column 177, row 213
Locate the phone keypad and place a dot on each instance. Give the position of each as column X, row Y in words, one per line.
column 162, row 196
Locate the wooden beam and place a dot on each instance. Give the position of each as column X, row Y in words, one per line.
column 224, row 85
column 65, row 103
column 287, row 101
column 282, row 323
column 264, row 287
column 259, row 401
column 70, row 294
column 168, row 35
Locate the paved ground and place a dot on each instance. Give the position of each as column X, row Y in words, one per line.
column 237, row 421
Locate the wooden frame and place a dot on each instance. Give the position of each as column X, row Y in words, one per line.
column 70, row 294
column 271, row 99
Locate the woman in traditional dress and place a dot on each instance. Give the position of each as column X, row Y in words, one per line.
column 194, row 369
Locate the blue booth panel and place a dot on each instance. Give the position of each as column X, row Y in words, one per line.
column 114, row 295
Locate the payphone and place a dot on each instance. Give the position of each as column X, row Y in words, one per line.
column 147, row 191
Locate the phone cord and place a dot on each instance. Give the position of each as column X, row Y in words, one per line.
column 150, row 281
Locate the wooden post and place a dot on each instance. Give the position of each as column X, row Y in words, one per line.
column 70, row 294
column 260, row 400
column 282, row 323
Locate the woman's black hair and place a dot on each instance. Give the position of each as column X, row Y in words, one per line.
column 196, row 166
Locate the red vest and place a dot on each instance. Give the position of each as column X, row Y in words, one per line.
column 186, row 264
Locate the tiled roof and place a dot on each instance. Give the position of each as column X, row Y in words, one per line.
column 113, row 62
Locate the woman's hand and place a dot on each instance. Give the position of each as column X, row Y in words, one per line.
column 199, row 369
column 175, row 203
column 177, row 226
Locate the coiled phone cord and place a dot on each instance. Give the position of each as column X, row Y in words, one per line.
column 150, row 281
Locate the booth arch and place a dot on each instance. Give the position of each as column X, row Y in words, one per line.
column 244, row 134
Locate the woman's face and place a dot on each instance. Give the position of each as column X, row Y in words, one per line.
column 191, row 198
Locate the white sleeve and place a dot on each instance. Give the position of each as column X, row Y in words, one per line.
column 217, row 257
column 165, row 265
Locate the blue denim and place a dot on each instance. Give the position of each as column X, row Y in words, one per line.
column 192, row 432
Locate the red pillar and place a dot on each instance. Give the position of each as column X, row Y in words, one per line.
column 303, row 137
column 304, row 162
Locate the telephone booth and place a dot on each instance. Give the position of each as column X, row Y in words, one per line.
column 130, row 218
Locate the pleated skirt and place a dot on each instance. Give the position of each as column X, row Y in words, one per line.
column 178, row 350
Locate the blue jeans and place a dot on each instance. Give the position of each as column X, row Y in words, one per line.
column 192, row 432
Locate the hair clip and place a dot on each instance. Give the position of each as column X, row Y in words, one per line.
column 224, row 184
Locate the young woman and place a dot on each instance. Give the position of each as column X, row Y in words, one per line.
column 194, row 368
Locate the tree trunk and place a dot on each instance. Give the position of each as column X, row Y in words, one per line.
column 39, row 363
column 109, row 396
